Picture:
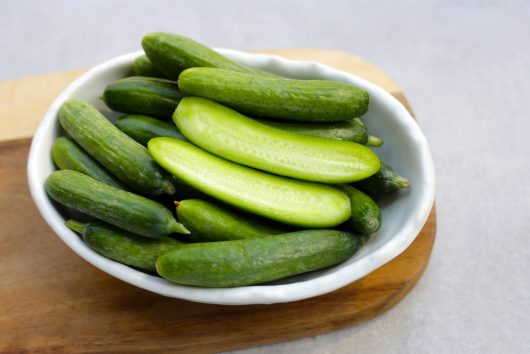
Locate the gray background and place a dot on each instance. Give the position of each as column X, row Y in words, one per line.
column 464, row 66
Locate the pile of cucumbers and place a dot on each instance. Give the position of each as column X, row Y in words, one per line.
column 270, row 177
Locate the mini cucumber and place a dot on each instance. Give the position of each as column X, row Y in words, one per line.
column 365, row 214
column 350, row 130
column 142, row 66
column 129, row 161
column 127, row 210
column 209, row 222
column 123, row 246
column 305, row 100
column 67, row 155
column 226, row 133
column 172, row 54
column 255, row 261
column 385, row 181
column 143, row 128
column 143, row 95
column 286, row 200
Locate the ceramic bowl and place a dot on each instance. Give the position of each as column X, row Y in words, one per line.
column 404, row 214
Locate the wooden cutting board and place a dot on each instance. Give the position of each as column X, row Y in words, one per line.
column 52, row 301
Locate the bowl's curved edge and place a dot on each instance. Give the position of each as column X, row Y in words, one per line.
column 266, row 294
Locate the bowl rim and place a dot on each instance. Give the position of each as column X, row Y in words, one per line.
column 246, row 295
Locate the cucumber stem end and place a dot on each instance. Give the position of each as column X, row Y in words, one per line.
column 374, row 141
column 75, row 226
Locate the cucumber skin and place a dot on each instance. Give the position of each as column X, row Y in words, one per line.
column 385, row 181
column 129, row 161
column 142, row 66
column 127, row 210
column 289, row 201
column 172, row 54
column 67, row 155
column 228, row 134
column 255, row 261
column 304, row 100
column 350, row 130
column 143, row 95
column 208, row 222
column 125, row 247
column 366, row 215
column 143, row 128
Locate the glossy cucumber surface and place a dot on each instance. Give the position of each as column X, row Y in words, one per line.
column 173, row 53
column 143, row 95
column 261, row 96
column 127, row 210
column 210, row 222
column 385, row 181
column 229, row 134
column 129, row 161
column 286, row 200
column 123, row 246
column 143, row 128
column 365, row 214
column 255, row 261
column 67, row 155
column 142, row 66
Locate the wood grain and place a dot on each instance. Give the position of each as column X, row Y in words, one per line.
column 51, row 301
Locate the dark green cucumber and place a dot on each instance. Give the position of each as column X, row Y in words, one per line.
column 67, row 155
column 129, row 161
column 142, row 66
column 261, row 96
column 123, row 246
column 290, row 201
column 255, row 261
column 229, row 134
column 209, row 222
column 143, row 128
column 172, row 54
column 385, row 181
column 143, row 95
column 365, row 214
column 350, row 130
column 127, row 210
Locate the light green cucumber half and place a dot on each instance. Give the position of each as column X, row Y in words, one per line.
column 231, row 135
column 286, row 200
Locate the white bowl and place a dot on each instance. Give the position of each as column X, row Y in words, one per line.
column 404, row 215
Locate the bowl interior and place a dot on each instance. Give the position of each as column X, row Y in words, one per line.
column 404, row 213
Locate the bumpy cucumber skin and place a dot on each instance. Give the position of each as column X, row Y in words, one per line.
column 125, row 247
column 115, row 206
column 365, row 214
column 304, row 100
column 385, row 181
column 229, row 134
column 172, row 54
column 350, row 130
column 255, row 261
column 67, row 155
column 143, row 128
column 293, row 202
column 208, row 222
column 129, row 161
column 142, row 66
column 143, row 95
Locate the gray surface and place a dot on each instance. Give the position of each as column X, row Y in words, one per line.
column 465, row 67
